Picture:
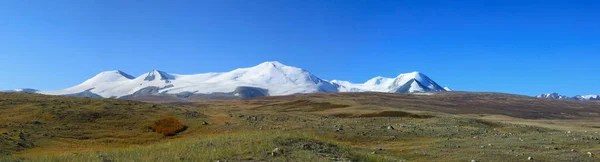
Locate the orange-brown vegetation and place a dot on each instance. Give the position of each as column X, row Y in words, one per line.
column 168, row 126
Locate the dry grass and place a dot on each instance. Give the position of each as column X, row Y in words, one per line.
column 32, row 124
column 455, row 103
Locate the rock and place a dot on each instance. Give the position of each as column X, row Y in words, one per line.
column 277, row 152
column 104, row 158
column 306, row 146
column 529, row 158
column 568, row 131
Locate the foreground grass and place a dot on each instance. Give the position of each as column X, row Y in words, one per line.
column 57, row 125
column 255, row 146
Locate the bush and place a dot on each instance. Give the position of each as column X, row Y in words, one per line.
column 168, row 126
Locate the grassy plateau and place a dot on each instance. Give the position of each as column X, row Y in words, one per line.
column 453, row 126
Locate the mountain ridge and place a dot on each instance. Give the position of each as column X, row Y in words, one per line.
column 270, row 78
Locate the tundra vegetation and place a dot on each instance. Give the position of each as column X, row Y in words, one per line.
column 452, row 126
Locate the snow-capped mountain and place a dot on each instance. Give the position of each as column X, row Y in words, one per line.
column 557, row 96
column 553, row 96
column 266, row 79
column 274, row 77
column 403, row 83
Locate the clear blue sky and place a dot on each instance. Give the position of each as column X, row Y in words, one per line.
column 523, row 47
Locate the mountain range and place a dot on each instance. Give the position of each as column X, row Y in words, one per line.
column 557, row 96
column 266, row 79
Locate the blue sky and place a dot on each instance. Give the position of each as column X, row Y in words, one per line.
column 522, row 47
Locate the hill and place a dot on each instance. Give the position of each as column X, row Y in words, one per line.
column 459, row 103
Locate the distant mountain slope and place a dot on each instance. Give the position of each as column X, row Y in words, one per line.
column 588, row 97
column 557, row 96
column 24, row 90
column 483, row 103
column 266, row 79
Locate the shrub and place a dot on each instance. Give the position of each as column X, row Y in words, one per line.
column 168, row 126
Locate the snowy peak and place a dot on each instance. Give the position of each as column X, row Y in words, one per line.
column 157, row 75
column 419, row 77
column 275, row 67
column 414, row 82
column 412, row 75
column 109, row 76
column 271, row 72
column 271, row 64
